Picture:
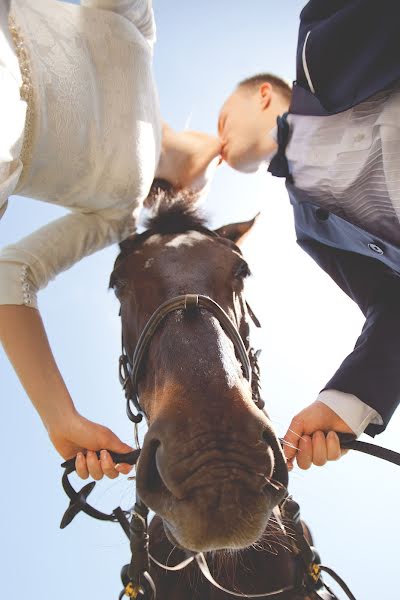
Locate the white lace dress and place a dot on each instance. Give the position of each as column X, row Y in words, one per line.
column 83, row 129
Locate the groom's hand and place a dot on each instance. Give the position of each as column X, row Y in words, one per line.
column 311, row 437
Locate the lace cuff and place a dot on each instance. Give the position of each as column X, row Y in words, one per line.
column 16, row 284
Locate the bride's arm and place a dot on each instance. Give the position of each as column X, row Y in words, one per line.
column 26, row 267
column 139, row 12
column 24, row 339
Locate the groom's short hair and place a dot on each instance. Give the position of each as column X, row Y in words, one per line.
column 278, row 83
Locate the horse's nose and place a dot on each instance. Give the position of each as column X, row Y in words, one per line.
column 177, row 453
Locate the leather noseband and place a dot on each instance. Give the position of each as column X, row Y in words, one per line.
column 190, row 303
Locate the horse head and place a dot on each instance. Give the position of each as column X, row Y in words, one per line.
column 211, row 465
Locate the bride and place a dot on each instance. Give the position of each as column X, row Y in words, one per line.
column 80, row 127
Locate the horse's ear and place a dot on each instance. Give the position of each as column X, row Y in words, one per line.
column 126, row 244
column 236, row 232
column 125, row 248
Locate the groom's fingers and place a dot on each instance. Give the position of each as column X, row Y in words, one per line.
column 333, row 446
column 305, row 452
column 292, row 438
column 319, row 449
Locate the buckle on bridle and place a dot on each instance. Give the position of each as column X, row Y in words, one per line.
column 123, row 370
column 124, row 374
column 132, row 591
column 314, row 572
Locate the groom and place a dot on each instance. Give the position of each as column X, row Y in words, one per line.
column 339, row 150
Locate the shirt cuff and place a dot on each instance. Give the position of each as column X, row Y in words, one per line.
column 355, row 413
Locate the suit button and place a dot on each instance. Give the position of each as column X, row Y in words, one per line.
column 375, row 248
column 322, row 214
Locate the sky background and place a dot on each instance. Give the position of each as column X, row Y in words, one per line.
column 309, row 326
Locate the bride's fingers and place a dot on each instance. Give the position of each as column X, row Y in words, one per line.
column 107, row 464
column 123, row 468
column 94, row 465
column 80, row 466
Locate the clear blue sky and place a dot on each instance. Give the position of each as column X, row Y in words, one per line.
column 203, row 49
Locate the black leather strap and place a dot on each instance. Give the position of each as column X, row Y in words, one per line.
column 185, row 302
column 130, row 458
column 129, row 373
column 339, row 581
column 78, row 500
column 348, row 442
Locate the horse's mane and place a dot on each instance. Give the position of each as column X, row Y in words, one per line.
column 171, row 211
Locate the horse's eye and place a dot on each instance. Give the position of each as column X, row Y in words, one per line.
column 242, row 270
column 118, row 285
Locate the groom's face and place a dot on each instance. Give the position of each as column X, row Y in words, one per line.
column 240, row 128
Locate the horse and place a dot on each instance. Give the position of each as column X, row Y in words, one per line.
column 211, row 466
column 264, row 567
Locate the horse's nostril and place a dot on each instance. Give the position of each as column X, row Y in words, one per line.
column 266, row 436
column 153, row 480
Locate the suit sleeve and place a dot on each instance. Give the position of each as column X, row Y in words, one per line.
column 372, row 371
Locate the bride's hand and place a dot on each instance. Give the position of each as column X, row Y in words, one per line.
column 188, row 158
column 76, row 435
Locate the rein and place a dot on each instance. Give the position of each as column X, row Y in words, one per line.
column 348, row 442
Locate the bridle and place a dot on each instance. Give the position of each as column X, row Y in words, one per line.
column 136, row 577
column 190, row 304
column 129, row 371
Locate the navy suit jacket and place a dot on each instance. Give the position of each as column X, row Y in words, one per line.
column 352, row 52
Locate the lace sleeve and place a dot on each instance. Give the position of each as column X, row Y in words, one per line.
column 28, row 265
column 139, row 12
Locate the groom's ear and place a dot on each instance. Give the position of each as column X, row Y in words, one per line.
column 237, row 232
column 265, row 95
